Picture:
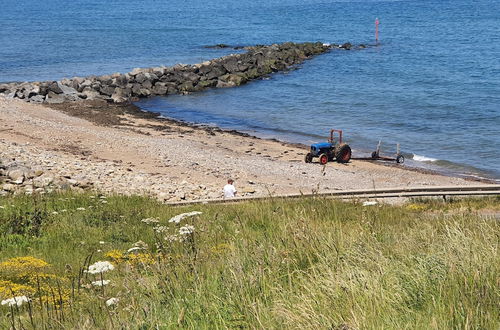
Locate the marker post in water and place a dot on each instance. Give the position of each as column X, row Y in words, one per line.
column 376, row 30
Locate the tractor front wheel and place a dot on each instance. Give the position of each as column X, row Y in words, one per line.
column 309, row 157
column 323, row 159
column 343, row 154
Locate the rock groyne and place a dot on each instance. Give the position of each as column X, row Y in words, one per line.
column 228, row 71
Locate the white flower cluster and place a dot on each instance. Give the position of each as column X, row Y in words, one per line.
column 101, row 283
column 186, row 230
column 173, row 238
column 16, row 301
column 179, row 217
column 112, row 301
column 150, row 220
column 139, row 245
column 100, row 267
column 160, row 229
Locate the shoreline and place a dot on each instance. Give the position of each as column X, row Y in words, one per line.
column 141, row 113
column 136, row 111
column 123, row 149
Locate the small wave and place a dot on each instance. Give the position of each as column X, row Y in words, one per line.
column 419, row 158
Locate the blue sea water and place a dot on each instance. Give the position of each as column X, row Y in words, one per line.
column 432, row 85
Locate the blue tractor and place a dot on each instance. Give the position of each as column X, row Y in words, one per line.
column 334, row 149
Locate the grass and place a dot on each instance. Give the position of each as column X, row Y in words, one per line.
column 309, row 263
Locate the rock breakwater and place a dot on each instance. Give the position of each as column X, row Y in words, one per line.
column 228, row 71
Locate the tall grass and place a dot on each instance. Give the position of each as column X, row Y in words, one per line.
column 310, row 263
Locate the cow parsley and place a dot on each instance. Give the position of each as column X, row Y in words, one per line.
column 179, row 217
column 100, row 267
column 186, row 230
column 112, row 301
column 16, row 301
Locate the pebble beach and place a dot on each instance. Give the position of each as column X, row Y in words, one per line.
column 126, row 151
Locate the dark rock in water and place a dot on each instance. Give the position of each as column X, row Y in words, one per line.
column 186, row 86
column 231, row 65
column 215, row 72
column 207, row 83
column 160, row 88
column 218, row 46
column 346, row 46
column 191, row 76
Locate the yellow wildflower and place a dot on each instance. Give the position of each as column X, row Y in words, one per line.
column 133, row 259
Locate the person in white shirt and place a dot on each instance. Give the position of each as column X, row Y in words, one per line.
column 229, row 189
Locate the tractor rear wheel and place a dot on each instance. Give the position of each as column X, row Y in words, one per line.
column 343, row 153
column 309, row 157
column 323, row 159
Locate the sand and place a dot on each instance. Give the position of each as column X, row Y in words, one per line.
column 134, row 152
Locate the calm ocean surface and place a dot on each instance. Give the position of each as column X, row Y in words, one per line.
column 433, row 84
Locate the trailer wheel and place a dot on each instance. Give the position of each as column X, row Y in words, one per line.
column 400, row 159
column 343, row 154
column 323, row 159
column 374, row 155
column 308, row 158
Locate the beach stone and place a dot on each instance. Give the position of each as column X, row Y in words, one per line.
column 248, row 190
column 107, row 90
column 66, row 89
column 121, row 95
column 144, row 92
column 17, row 175
column 8, row 187
column 55, row 88
column 54, row 98
column 37, row 99
column 136, row 71
column 186, row 86
column 42, row 181
column 225, row 84
column 191, row 76
column 140, row 77
column 160, row 89
column 147, row 84
column 84, row 84
column 90, row 93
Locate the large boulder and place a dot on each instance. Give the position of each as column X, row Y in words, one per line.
column 121, row 95
column 66, row 89
column 107, row 90
column 160, row 89
column 55, row 87
column 55, row 98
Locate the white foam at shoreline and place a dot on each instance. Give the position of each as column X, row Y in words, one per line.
column 419, row 158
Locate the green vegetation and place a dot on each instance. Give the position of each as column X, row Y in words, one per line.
column 310, row 263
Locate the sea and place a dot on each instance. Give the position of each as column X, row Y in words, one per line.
column 431, row 85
